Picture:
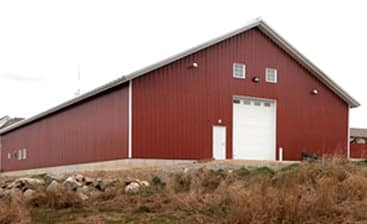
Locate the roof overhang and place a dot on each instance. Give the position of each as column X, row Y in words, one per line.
column 259, row 23
column 358, row 132
column 320, row 75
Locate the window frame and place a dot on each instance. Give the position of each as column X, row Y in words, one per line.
column 24, row 153
column 275, row 75
column 18, row 154
column 243, row 70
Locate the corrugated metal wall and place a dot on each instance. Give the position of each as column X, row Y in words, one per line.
column 90, row 131
column 358, row 151
column 175, row 107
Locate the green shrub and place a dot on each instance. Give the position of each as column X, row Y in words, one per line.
column 290, row 167
column 243, row 171
column 264, row 170
column 156, row 180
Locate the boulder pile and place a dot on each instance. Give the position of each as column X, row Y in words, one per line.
column 83, row 186
column 135, row 185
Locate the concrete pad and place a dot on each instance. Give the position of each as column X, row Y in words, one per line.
column 162, row 164
column 123, row 164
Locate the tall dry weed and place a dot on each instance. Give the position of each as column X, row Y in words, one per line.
column 327, row 192
column 56, row 199
column 13, row 212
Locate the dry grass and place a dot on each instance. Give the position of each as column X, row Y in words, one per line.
column 8, row 214
column 12, row 212
column 57, row 199
column 332, row 191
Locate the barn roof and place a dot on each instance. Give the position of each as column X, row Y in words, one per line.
column 259, row 23
column 358, row 132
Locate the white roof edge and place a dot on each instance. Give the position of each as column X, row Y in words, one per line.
column 258, row 22
column 308, row 64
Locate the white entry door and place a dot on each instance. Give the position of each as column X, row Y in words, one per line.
column 219, row 142
column 254, row 129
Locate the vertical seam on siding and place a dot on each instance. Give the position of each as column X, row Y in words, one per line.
column 130, row 120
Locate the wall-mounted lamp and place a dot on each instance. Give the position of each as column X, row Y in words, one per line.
column 315, row 92
column 195, row 65
column 256, row 79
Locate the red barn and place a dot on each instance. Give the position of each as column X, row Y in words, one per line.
column 245, row 95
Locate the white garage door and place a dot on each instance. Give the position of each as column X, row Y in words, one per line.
column 254, row 129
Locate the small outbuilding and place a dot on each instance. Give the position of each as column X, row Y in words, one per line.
column 248, row 94
column 7, row 121
column 358, row 143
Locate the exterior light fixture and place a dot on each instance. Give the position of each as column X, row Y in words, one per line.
column 195, row 65
column 256, row 79
column 315, row 91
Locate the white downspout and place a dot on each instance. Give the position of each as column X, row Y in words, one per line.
column 280, row 154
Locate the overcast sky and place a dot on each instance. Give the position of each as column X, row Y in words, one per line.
column 42, row 42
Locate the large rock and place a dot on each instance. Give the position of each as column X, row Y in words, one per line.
column 31, row 181
column 111, row 182
column 88, row 180
column 25, row 183
column 28, row 194
column 129, row 180
column 99, row 184
column 144, row 183
column 49, row 179
column 53, row 186
column 80, row 178
column 82, row 196
column 72, row 184
column 133, row 187
column 85, row 189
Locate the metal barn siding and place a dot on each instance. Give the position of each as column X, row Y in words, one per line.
column 175, row 107
column 93, row 130
column 358, row 151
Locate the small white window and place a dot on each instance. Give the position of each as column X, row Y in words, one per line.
column 271, row 75
column 236, row 101
column 24, row 153
column 18, row 155
column 9, row 155
column 239, row 71
column 267, row 104
column 246, row 102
